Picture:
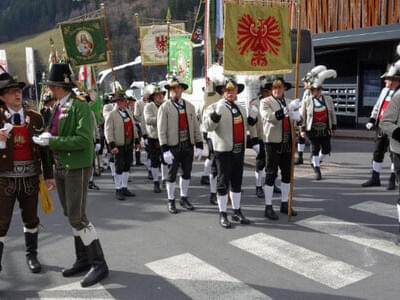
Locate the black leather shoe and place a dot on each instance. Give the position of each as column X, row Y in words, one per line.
column 392, row 182
column 317, row 171
column 31, row 243
column 99, row 268
column 285, row 209
column 270, row 213
column 299, row 160
column 205, row 180
column 149, row 175
column 238, row 217
column 184, row 202
column 119, row 195
column 277, row 190
column 127, row 192
column 213, row 199
column 171, row 207
column 375, row 180
column 156, row 188
column 223, row 220
column 82, row 263
column 93, row 186
column 259, row 192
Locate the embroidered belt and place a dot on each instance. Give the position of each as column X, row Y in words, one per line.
column 25, row 168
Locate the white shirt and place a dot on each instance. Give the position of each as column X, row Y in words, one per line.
column 20, row 112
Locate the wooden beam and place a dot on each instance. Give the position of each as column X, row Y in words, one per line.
column 396, row 12
column 364, row 13
column 383, row 13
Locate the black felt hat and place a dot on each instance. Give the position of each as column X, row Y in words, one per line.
column 60, row 75
column 7, row 81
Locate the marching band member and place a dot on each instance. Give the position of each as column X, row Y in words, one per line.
column 178, row 132
column 319, row 120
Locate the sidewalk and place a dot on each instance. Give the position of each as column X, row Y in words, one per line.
column 358, row 134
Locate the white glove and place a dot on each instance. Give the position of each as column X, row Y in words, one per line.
column 220, row 105
column 294, row 105
column 253, row 112
column 97, row 147
column 43, row 139
column 8, row 127
column 168, row 157
column 256, row 148
column 295, row 116
column 198, row 153
column 369, row 125
column 146, row 142
column 285, row 112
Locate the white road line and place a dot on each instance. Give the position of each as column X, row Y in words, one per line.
column 325, row 270
column 363, row 235
column 377, row 208
column 200, row 280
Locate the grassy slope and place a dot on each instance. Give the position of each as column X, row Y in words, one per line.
column 40, row 42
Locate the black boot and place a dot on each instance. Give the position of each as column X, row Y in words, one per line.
column 184, row 202
column 171, row 207
column 99, row 268
column 205, row 180
column 373, row 181
column 119, row 194
column 285, row 209
column 1, row 253
column 213, row 199
column 277, row 190
column 317, row 171
column 127, row 192
column 82, row 263
column 149, row 175
column 93, row 186
column 223, row 220
column 299, row 160
column 392, row 182
column 259, row 192
column 156, row 188
column 238, row 217
column 137, row 158
column 270, row 213
column 31, row 243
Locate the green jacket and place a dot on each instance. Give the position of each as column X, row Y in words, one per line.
column 74, row 142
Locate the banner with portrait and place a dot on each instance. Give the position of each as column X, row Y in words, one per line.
column 154, row 42
column 181, row 59
column 84, row 42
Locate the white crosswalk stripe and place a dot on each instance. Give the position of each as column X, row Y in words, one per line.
column 363, row 235
column 200, row 280
column 377, row 208
column 325, row 270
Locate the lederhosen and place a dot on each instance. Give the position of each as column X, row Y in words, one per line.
column 183, row 152
column 230, row 163
column 260, row 158
column 21, row 183
column 124, row 157
column 381, row 139
column 279, row 154
column 320, row 135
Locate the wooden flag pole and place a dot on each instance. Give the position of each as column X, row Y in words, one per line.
column 139, row 39
column 168, row 35
column 296, row 95
column 109, row 51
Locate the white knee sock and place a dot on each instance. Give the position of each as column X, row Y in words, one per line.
column 301, row 147
column 315, row 161
column 118, row 180
column 235, row 197
column 376, row 166
column 184, row 186
column 213, row 183
column 321, row 156
column 285, row 188
column 75, row 232
column 88, row 234
column 125, row 178
column 171, row 190
column 268, row 192
column 392, row 168
column 148, row 166
column 91, row 176
column 154, row 172
column 164, row 172
column 222, row 202
column 32, row 230
column 207, row 167
column 112, row 168
column 258, row 178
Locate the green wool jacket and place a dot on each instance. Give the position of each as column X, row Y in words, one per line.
column 74, row 142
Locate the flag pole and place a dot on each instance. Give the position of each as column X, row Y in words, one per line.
column 168, row 34
column 140, row 46
column 296, row 95
column 109, row 51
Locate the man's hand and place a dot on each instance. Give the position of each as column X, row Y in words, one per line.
column 168, row 157
column 294, row 105
column 303, row 134
column 51, row 184
column 43, row 139
column 253, row 112
column 97, row 147
column 198, row 153
column 220, row 105
column 369, row 125
column 4, row 136
column 114, row 150
column 256, row 148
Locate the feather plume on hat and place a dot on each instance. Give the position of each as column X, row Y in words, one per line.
column 216, row 73
column 321, row 77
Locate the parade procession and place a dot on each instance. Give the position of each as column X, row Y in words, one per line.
column 199, row 149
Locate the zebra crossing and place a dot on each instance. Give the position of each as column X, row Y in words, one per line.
column 198, row 279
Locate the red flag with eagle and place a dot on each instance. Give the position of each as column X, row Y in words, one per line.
column 257, row 39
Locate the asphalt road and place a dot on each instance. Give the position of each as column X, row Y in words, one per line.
column 340, row 246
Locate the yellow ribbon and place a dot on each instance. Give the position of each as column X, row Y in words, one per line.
column 45, row 199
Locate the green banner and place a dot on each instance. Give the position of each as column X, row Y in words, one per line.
column 181, row 59
column 84, row 42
